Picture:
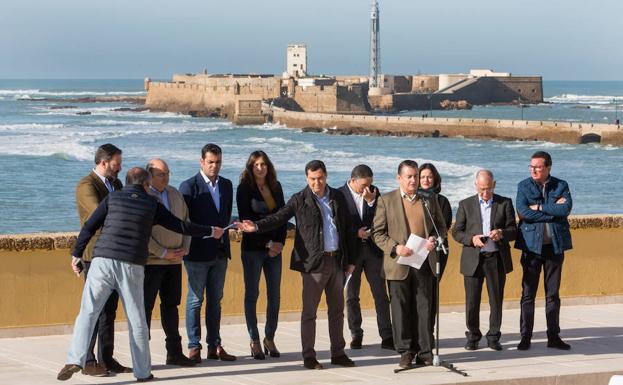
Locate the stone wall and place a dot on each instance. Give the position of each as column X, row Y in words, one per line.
column 40, row 293
column 557, row 132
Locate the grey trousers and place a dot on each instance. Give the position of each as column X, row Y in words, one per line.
column 330, row 280
column 372, row 265
column 106, row 275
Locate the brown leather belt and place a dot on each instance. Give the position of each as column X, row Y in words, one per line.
column 331, row 253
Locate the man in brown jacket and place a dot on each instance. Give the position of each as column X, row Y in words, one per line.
column 90, row 191
column 399, row 214
column 163, row 272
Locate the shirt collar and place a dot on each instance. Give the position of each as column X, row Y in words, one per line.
column 207, row 180
column 405, row 195
column 485, row 203
column 102, row 177
column 353, row 191
column 325, row 197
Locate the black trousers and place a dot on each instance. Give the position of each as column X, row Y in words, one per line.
column 372, row 265
column 104, row 331
column 411, row 304
column 552, row 269
column 491, row 269
column 165, row 280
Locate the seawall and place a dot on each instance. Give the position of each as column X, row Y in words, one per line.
column 529, row 130
column 40, row 294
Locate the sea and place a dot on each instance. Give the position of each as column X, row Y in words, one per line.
column 45, row 150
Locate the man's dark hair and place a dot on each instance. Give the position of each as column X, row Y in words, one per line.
column 407, row 163
column 361, row 171
column 211, row 148
column 136, row 175
column 315, row 165
column 543, row 155
column 106, row 152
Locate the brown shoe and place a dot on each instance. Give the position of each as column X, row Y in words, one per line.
column 194, row 354
column 93, row 368
column 342, row 360
column 406, row 360
column 115, row 367
column 256, row 350
column 219, row 353
column 270, row 348
column 67, row 371
column 356, row 343
column 311, row 363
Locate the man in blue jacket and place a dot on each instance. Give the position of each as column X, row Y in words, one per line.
column 543, row 204
column 209, row 198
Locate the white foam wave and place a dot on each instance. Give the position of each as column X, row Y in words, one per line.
column 37, row 93
column 584, row 99
column 18, row 92
column 29, row 127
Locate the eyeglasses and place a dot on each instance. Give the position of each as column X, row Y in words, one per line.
column 161, row 174
column 537, row 168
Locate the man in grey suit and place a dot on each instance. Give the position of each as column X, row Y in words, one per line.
column 485, row 224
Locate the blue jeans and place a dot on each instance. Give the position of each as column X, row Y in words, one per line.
column 106, row 275
column 253, row 262
column 209, row 277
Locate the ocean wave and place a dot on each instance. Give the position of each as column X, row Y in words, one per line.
column 44, row 93
column 584, row 99
column 30, row 126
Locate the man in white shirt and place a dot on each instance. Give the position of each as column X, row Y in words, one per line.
column 361, row 197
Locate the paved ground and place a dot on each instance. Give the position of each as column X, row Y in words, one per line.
column 594, row 331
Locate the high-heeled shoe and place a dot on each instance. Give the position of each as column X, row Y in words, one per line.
column 270, row 348
column 256, row 350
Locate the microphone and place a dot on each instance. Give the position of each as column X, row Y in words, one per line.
column 424, row 194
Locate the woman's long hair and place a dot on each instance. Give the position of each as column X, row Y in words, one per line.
column 437, row 178
column 246, row 177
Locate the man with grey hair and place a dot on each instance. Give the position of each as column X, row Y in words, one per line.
column 485, row 224
column 163, row 272
column 126, row 218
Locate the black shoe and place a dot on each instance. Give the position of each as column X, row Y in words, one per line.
column 557, row 343
column 256, row 350
column 388, row 343
column 115, row 367
column 406, row 360
column 495, row 345
column 67, row 371
column 311, row 363
column 428, row 361
column 270, row 348
column 356, row 343
column 180, row 360
column 471, row 345
column 148, row 378
column 342, row 360
column 524, row 344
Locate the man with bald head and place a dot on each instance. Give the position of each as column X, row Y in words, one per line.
column 163, row 272
column 485, row 224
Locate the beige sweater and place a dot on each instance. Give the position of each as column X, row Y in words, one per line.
column 161, row 238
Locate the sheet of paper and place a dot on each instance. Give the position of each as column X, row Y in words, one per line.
column 348, row 277
column 231, row 226
column 420, row 253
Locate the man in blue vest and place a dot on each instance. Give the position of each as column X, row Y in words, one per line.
column 209, row 198
column 126, row 218
column 543, row 204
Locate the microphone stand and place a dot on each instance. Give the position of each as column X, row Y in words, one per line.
column 440, row 247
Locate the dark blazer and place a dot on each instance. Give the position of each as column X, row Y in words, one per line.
column 357, row 222
column 307, row 254
column 532, row 223
column 90, row 191
column 251, row 206
column 202, row 211
column 469, row 223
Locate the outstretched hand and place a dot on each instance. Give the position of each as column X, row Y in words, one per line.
column 247, row 226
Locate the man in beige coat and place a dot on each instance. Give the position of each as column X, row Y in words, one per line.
column 90, row 191
column 163, row 272
column 399, row 214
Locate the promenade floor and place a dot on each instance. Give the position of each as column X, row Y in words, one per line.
column 594, row 331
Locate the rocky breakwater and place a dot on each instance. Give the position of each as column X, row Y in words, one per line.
column 524, row 130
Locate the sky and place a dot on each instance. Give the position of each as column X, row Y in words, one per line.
column 559, row 40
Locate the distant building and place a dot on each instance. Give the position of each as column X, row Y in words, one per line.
column 296, row 60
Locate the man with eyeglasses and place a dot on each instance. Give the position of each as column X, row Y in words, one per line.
column 163, row 272
column 543, row 204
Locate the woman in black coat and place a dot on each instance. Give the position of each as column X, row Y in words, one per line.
column 258, row 195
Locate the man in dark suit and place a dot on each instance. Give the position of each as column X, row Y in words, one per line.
column 90, row 191
column 485, row 224
column 543, row 203
column 209, row 199
column 361, row 199
column 399, row 214
column 321, row 254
